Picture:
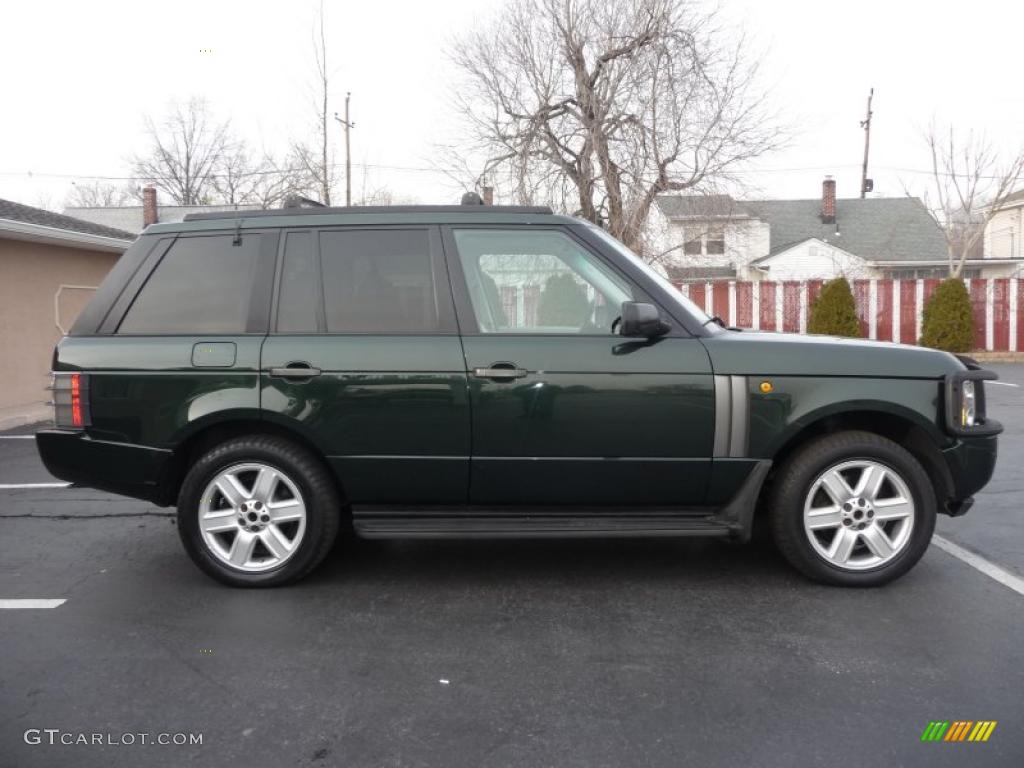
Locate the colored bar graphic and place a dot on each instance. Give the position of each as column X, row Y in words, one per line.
column 958, row 730
column 982, row 730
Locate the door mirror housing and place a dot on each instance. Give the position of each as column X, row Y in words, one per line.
column 642, row 320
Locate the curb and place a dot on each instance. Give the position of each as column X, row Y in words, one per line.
column 997, row 357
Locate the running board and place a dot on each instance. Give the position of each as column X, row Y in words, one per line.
column 733, row 520
column 498, row 525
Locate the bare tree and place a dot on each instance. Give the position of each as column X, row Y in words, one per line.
column 234, row 174
column 100, row 194
column 241, row 178
column 970, row 181
column 186, row 148
column 273, row 182
column 316, row 159
column 598, row 106
column 385, row 196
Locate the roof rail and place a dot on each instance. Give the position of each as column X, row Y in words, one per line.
column 482, row 209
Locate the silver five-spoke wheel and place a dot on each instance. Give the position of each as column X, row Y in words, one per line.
column 252, row 517
column 859, row 514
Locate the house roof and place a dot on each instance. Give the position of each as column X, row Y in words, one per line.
column 701, row 206
column 1013, row 200
column 11, row 211
column 877, row 229
column 129, row 217
column 884, row 229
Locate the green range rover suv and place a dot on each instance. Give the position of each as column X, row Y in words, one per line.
column 489, row 371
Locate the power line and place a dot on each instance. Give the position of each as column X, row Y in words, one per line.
column 270, row 172
column 439, row 169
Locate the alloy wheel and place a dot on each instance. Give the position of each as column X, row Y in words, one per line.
column 252, row 517
column 859, row 514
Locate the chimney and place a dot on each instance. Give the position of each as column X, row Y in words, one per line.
column 488, row 195
column 828, row 200
column 148, row 206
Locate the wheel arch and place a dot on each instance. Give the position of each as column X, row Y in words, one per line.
column 892, row 423
column 204, row 437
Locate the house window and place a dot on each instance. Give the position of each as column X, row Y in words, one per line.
column 715, row 242
column 710, row 241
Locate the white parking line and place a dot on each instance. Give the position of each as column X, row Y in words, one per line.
column 1003, row 384
column 30, row 603
column 17, row 437
column 993, row 571
column 12, row 486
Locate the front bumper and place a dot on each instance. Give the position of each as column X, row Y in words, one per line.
column 128, row 470
column 971, row 462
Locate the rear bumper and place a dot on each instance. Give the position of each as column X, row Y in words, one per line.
column 971, row 462
column 128, row 470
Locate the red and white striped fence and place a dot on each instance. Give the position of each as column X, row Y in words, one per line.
column 889, row 310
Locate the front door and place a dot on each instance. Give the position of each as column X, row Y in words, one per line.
column 564, row 411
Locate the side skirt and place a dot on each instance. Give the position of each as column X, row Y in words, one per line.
column 734, row 520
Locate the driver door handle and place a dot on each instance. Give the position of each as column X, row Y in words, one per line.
column 500, row 371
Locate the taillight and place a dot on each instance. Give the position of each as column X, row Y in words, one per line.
column 71, row 400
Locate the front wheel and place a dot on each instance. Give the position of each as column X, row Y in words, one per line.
column 853, row 509
column 257, row 511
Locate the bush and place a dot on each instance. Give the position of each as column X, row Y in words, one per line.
column 834, row 312
column 948, row 322
column 563, row 302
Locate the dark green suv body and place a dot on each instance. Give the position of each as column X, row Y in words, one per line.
column 487, row 371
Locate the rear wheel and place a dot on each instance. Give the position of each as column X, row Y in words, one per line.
column 257, row 511
column 853, row 509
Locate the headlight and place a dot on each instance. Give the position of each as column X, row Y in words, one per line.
column 968, row 404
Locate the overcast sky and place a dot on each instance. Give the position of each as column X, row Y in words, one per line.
column 81, row 76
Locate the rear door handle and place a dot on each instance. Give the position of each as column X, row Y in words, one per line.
column 500, row 371
column 295, row 372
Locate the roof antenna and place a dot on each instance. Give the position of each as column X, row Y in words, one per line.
column 472, row 198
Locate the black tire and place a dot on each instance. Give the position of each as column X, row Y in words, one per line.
column 795, row 479
column 318, row 490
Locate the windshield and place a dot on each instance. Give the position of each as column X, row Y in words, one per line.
column 674, row 293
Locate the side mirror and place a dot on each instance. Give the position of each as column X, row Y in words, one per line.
column 641, row 320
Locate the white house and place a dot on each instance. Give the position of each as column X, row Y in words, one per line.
column 718, row 237
column 135, row 218
column 1004, row 230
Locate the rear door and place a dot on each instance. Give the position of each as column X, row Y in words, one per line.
column 364, row 357
column 566, row 412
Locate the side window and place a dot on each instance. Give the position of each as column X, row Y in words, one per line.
column 202, row 285
column 378, row 281
column 298, row 299
column 539, row 281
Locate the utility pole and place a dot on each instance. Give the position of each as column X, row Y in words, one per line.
column 349, row 125
column 866, row 184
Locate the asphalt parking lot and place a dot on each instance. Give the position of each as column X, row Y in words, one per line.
column 572, row 653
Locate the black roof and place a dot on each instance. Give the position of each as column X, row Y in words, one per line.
column 29, row 215
column 324, row 210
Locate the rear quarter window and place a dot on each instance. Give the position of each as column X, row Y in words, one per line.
column 202, row 285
